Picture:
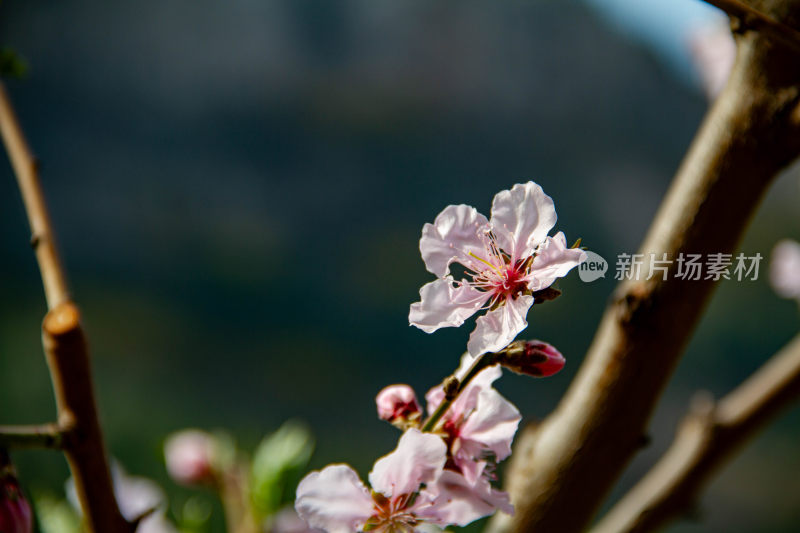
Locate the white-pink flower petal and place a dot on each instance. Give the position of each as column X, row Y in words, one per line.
column 553, row 260
column 493, row 423
column 442, row 304
column 334, row 499
column 521, row 218
column 497, row 328
column 453, row 236
column 459, row 502
column 418, row 458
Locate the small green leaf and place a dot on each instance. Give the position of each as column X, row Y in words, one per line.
column 55, row 516
column 279, row 456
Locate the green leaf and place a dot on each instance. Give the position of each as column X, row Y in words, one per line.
column 278, row 458
column 55, row 516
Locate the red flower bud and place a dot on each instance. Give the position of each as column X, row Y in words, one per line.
column 532, row 358
column 189, row 456
column 398, row 405
column 15, row 512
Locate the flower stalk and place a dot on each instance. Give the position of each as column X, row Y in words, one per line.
column 453, row 387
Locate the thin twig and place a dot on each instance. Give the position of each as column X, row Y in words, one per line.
column 484, row 361
column 751, row 18
column 27, row 172
column 43, row 436
column 707, row 438
column 559, row 478
column 65, row 347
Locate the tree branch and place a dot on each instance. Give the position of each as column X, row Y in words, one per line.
column 707, row 438
column 27, row 172
column 559, row 477
column 65, row 347
column 750, row 18
column 44, row 436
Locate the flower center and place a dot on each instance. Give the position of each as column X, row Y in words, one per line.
column 391, row 515
column 502, row 277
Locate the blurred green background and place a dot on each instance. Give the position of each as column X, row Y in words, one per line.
column 239, row 187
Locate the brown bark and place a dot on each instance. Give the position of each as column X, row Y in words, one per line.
column 68, row 359
column 708, row 437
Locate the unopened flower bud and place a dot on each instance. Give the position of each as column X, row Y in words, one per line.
column 532, row 358
column 189, row 455
column 15, row 511
column 398, row 405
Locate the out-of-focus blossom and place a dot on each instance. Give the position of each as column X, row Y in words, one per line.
column 532, row 358
column 136, row 496
column 784, row 269
column 506, row 260
column 713, row 53
column 398, row 405
column 15, row 512
column 479, row 426
column 405, row 492
column 189, row 457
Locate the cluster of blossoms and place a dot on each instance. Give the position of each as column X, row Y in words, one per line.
column 442, row 470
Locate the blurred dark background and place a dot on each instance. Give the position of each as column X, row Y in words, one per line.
column 239, row 187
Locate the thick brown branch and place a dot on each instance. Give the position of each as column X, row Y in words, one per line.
column 26, row 170
column 560, row 477
column 67, row 357
column 44, row 436
column 708, row 437
column 751, row 18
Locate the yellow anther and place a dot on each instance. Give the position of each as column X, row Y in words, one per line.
column 485, row 262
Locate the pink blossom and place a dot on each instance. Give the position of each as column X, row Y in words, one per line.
column 405, row 492
column 189, row 455
column 397, row 403
column 480, row 424
column 507, row 259
column 784, row 269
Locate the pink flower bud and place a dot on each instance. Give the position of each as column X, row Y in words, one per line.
column 189, row 456
column 532, row 358
column 398, row 403
column 15, row 512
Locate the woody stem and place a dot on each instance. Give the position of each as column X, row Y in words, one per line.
column 484, row 361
